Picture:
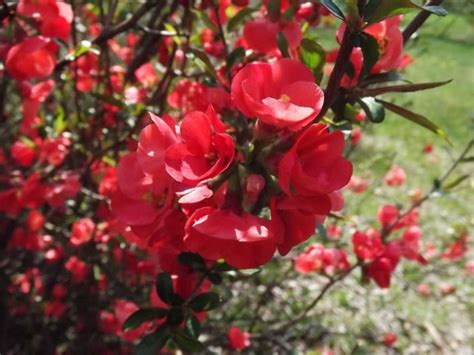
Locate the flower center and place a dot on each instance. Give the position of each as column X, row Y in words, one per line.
column 284, row 98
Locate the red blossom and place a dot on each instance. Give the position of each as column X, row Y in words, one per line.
column 33, row 58
column 204, row 152
column 242, row 240
column 282, row 94
column 238, row 339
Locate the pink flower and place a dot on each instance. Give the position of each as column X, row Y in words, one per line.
column 396, row 176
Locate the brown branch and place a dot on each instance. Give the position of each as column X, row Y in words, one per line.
column 418, row 21
column 338, row 72
column 107, row 34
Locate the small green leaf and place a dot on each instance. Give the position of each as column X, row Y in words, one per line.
column 215, row 278
column 239, row 18
column 234, row 57
column 205, row 302
column 436, row 10
column 59, row 123
column 283, row 45
column 450, row 185
column 186, row 342
column 322, row 232
column 203, row 60
column 332, row 8
column 206, row 20
column 175, row 316
column 313, row 56
column 416, row 118
column 144, row 315
column 193, row 326
column 389, row 8
column 370, row 51
column 374, row 110
column 28, row 142
column 405, row 88
column 192, row 260
column 221, row 265
column 348, row 8
column 152, row 343
column 274, row 9
column 164, row 287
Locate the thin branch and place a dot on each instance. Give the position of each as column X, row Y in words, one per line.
column 418, row 21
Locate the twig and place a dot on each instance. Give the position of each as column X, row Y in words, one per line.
column 419, row 20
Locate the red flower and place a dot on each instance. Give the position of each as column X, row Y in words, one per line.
column 396, row 176
column 318, row 258
column 55, row 16
column 389, row 339
column 387, row 215
column 410, row 244
column 244, row 241
column 282, row 94
column 315, row 164
column 295, row 219
column 381, row 269
column 34, row 58
column 368, row 245
column 261, row 35
column 238, row 340
column 390, row 40
column 23, row 154
column 78, row 269
column 205, row 150
column 82, row 231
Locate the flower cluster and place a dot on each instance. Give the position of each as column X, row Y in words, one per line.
column 197, row 186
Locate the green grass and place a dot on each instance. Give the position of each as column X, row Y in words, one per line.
column 443, row 49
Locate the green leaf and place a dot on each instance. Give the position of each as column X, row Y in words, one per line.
column 332, row 8
column 186, row 342
column 374, row 110
column 83, row 48
column 28, row 142
column 193, row 326
column 234, row 57
column 370, row 51
column 450, row 185
column 313, row 56
column 205, row 19
column 436, row 10
column 274, row 9
column 175, row 316
column 59, row 123
column 348, row 8
column 322, row 232
column 144, row 315
column 405, row 88
column 381, row 78
column 221, row 265
column 204, row 62
column 192, row 260
column 164, row 287
column 215, row 278
column 416, row 118
column 239, row 18
column 390, row 8
column 112, row 100
column 205, row 302
column 152, row 343
column 283, row 45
